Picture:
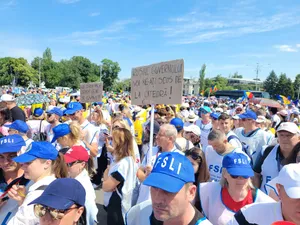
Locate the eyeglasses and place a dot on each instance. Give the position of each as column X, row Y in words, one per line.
column 40, row 211
column 194, row 155
column 236, row 177
column 116, row 127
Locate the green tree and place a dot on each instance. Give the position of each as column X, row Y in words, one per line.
column 47, row 54
column 285, row 86
column 110, row 71
column 122, row 85
column 202, row 78
column 270, row 84
column 297, row 85
column 237, row 75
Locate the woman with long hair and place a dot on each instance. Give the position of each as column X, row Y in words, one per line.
column 220, row 201
column 41, row 164
column 119, row 178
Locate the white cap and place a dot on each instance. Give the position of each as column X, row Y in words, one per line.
column 194, row 129
column 258, row 106
column 289, row 178
column 261, row 119
column 186, row 105
column 7, row 98
column 283, row 112
column 192, row 117
column 219, row 110
column 235, row 117
column 290, row 127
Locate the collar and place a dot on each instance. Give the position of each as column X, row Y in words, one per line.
column 84, row 124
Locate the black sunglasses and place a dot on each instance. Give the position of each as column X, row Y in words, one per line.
column 236, row 177
column 194, row 155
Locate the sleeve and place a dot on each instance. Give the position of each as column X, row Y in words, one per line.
column 235, row 143
column 258, row 163
column 120, row 172
column 131, row 217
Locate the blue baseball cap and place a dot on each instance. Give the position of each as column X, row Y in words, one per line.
column 215, row 115
column 177, row 123
column 61, row 194
column 38, row 112
column 237, row 164
column 171, row 171
column 73, row 107
column 205, row 108
column 38, row 150
column 60, row 131
column 11, row 143
column 56, row 111
column 18, row 125
column 249, row 114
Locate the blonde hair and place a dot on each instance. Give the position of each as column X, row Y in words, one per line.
column 73, row 137
column 124, row 123
column 224, row 182
column 122, row 143
column 100, row 119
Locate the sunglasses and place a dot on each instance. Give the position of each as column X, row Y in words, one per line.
column 236, row 177
column 49, row 114
column 40, row 211
column 203, row 111
column 72, row 163
column 246, row 119
column 115, row 127
column 194, row 155
column 213, row 118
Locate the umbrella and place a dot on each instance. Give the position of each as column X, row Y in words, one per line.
column 266, row 102
column 30, row 99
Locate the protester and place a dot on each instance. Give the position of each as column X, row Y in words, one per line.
column 89, row 134
column 193, row 133
column 235, row 188
column 119, row 178
column 172, row 191
column 205, row 125
column 41, row 164
column 273, row 158
column 21, row 128
column 80, row 167
column 15, row 112
column 10, row 174
column 62, row 202
column 38, row 125
column 251, row 135
column 215, row 152
column 181, row 143
column 5, row 119
column 288, row 185
column 214, row 120
column 53, row 118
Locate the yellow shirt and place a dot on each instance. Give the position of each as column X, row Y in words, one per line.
column 138, row 129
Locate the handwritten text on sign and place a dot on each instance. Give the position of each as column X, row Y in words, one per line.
column 159, row 83
column 91, row 92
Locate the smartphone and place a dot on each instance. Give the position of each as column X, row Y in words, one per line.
column 4, row 199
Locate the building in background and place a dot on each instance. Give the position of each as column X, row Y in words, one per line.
column 190, row 86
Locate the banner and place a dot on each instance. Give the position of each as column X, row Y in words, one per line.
column 160, row 83
column 91, row 92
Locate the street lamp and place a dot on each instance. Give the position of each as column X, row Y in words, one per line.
column 100, row 72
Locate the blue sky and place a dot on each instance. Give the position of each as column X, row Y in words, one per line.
column 227, row 35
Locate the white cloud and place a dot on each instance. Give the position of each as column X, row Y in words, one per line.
column 94, row 14
column 69, row 1
column 202, row 27
column 298, row 45
column 252, row 55
column 286, row 48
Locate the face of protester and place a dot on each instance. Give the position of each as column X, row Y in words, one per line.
column 76, row 116
column 218, row 145
column 205, row 115
column 236, row 183
column 71, row 217
column 162, row 140
column 35, row 169
column 6, row 162
column 117, row 124
column 247, row 123
column 215, row 124
column 195, row 164
column 50, row 118
column 236, row 123
column 225, row 125
column 75, row 168
column 192, row 137
column 168, row 206
column 12, row 131
column 95, row 116
column 290, row 206
column 287, row 140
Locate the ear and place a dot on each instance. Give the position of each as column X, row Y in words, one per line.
column 191, row 193
column 78, row 214
column 47, row 164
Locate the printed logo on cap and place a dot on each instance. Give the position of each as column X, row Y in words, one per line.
column 7, row 140
column 240, row 161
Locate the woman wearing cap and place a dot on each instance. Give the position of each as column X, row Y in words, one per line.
column 220, row 201
column 37, row 124
column 119, row 178
column 42, row 164
column 10, row 173
column 62, row 202
column 80, row 167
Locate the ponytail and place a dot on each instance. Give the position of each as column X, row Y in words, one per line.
column 59, row 167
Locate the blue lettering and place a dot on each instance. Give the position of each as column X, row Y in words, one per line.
column 268, row 179
column 210, row 167
column 216, row 169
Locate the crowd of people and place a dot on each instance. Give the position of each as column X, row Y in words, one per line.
column 213, row 161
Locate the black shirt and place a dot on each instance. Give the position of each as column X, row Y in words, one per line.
column 17, row 114
column 198, row 216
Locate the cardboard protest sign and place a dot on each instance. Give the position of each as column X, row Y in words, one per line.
column 159, row 83
column 91, row 92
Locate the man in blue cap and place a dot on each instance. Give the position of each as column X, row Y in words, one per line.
column 89, row 131
column 62, row 202
column 172, row 191
column 53, row 117
column 251, row 135
column 21, row 128
column 181, row 143
column 204, row 124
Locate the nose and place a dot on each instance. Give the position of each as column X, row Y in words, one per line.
column 46, row 219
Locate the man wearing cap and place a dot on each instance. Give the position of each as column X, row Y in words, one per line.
column 62, row 202
column 16, row 112
column 288, row 209
column 181, row 143
column 172, row 191
column 89, row 131
column 21, row 128
column 272, row 159
column 205, row 125
column 214, row 120
column 253, row 137
column 193, row 134
column 53, row 117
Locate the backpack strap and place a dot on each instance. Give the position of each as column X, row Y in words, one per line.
column 241, row 220
column 177, row 146
column 187, row 144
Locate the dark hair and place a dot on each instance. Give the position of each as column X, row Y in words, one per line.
column 224, row 116
column 293, row 155
column 59, row 166
column 5, row 114
column 273, row 110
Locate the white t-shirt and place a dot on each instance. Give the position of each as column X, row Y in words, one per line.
column 34, row 126
column 234, row 141
column 276, row 119
column 205, row 130
column 260, row 213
